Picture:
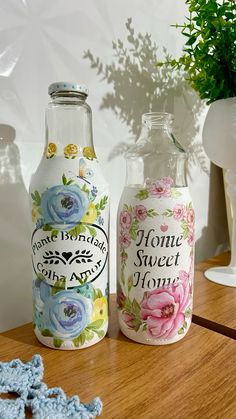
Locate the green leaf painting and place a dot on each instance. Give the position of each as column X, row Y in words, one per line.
column 40, row 276
column 47, row 227
column 57, row 342
column 188, row 312
column 92, row 330
column 97, row 293
column 85, row 188
column 103, row 202
column 175, row 193
column 36, row 198
column 58, row 286
column 133, row 229
column 46, row 333
column 100, row 206
column 95, row 325
column 66, row 181
column 100, row 333
column 79, row 228
column 92, row 230
column 54, row 233
column 168, row 213
column 152, row 213
column 142, row 194
column 80, row 340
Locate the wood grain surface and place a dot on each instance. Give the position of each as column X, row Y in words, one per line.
column 194, row 378
column 214, row 305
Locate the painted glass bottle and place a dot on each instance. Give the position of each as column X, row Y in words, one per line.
column 70, row 215
column 155, row 238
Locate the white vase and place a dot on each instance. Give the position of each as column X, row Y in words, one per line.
column 219, row 141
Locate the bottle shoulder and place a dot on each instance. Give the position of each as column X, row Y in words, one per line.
column 157, row 143
column 61, row 171
column 151, row 196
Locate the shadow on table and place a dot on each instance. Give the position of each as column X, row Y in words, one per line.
column 24, row 334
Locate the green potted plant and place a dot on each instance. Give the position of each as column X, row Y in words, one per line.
column 209, row 60
column 209, row 53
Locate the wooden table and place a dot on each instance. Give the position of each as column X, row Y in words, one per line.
column 214, row 304
column 194, row 378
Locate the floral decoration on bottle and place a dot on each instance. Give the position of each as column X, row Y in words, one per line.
column 163, row 312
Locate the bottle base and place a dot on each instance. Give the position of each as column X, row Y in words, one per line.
column 64, row 345
column 143, row 338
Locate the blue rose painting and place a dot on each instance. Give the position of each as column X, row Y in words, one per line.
column 65, row 313
column 64, row 204
column 68, row 314
column 78, row 315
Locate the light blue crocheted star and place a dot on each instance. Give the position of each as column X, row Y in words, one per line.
column 53, row 402
column 24, row 379
column 12, row 409
column 19, row 377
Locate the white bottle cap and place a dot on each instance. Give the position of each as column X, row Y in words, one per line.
column 65, row 86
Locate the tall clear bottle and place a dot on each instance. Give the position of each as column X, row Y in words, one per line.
column 70, row 216
column 155, row 238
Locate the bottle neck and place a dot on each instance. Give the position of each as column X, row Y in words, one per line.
column 68, row 125
column 157, row 120
column 157, row 154
column 157, row 128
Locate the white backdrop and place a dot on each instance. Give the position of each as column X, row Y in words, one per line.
column 44, row 41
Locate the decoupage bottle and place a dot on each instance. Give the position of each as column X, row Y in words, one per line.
column 155, row 238
column 70, row 216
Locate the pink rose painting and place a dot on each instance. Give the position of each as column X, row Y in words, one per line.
column 191, row 237
column 125, row 239
column 123, row 257
column 160, row 188
column 184, row 277
column 120, row 298
column 190, row 216
column 163, row 310
column 140, row 212
column 125, row 219
column 128, row 319
column 179, row 211
column 168, row 180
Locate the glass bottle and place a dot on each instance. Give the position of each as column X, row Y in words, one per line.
column 70, row 215
column 155, row 238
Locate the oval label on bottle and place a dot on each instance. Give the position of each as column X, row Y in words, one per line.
column 72, row 260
